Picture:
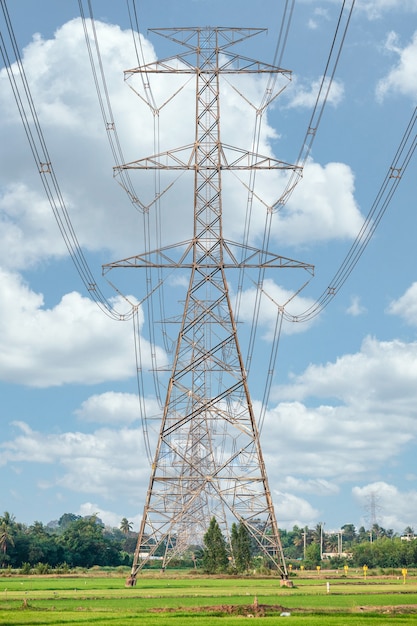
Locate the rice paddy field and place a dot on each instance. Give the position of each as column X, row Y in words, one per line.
column 175, row 599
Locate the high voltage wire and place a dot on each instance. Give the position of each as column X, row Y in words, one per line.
column 388, row 187
column 326, row 82
column 33, row 130
column 43, row 161
column 333, row 58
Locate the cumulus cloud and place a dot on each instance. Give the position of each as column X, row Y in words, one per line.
column 406, row 306
column 355, row 307
column 104, row 463
column 319, row 15
column 322, row 208
column 64, row 97
column 102, row 215
column 274, row 299
column 316, row 486
column 115, row 408
column 28, row 229
column 70, row 342
column 401, row 79
column 324, row 445
column 374, row 9
column 109, row 518
column 333, row 423
column 292, row 510
column 305, row 96
column 382, row 370
column 345, row 431
column 333, row 443
column 393, row 508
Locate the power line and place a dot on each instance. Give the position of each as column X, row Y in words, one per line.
column 388, row 187
column 33, row 130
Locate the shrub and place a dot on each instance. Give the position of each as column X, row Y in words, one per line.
column 42, row 568
column 26, row 569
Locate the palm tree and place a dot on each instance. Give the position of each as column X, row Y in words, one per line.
column 349, row 533
column 300, row 536
column 126, row 526
column 8, row 519
column 6, row 539
column 318, row 533
column 319, row 536
column 332, row 543
column 377, row 531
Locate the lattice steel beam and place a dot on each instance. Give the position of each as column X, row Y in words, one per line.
column 208, row 460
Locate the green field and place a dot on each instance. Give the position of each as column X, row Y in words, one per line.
column 171, row 599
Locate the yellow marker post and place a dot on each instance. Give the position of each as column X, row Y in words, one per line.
column 346, row 569
column 318, row 569
column 404, row 573
column 365, row 569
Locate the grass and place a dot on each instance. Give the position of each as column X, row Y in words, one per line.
column 172, row 599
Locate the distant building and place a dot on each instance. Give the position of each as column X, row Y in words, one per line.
column 332, row 555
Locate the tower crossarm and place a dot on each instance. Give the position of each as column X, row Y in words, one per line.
column 185, row 64
column 254, row 258
column 183, row 158
column 193, row 36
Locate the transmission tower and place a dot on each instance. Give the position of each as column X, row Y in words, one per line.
column 208, row 459
column 373, row 509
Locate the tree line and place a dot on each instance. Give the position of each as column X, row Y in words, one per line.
column 72, row 541
column 75, row 541
column 375, row 546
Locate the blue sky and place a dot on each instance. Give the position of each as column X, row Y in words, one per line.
column 341, row 425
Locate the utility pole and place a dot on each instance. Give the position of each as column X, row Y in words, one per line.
column 208, row 459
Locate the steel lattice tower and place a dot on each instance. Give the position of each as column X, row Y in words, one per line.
column 208, row 460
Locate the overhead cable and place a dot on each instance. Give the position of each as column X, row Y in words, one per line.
column 43, row 161
column 382, row 200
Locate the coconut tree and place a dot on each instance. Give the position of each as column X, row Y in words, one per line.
column 8, row 519
column 6, row 540
column 126, row 526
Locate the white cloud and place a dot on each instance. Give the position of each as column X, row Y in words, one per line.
column 273, row 298
column 381, row 371
column 406, row 306
column 320, row 15
column 292, row 510
column 324, row 446
column 355, row 307
column 101, row 214
column 305, row 96
column 348, row 434
column 316, row 486
column 71, row 342
column 107, row 463
column 402, row 78
column 114, row 408
column 392, row 508
column 327, row 442
column 28, row 228
column 109, row 518
column 322, row 208
column 374, row 9
column 65, row 99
